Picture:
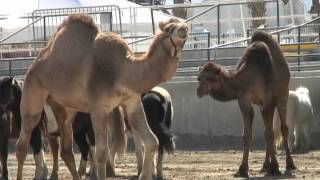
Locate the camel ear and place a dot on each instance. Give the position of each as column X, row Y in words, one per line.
column 161, row 25
column 218, row 70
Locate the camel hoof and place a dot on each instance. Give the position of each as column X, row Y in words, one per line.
column 92, row 176
column 41, row 178
column 110, row 171
column 242, row 172
column 289, row 172
column 263, row 170
column 54, row 177
column 4, row 178
column 291, row 166
column 153, row 177
column 274, row 172
column 159, row 178
column 44, row 174
column 266, row 167
column 82, row 172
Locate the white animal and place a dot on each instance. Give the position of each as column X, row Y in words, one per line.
column 299, row 120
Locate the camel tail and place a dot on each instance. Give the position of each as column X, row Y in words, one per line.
column 119, row 138
column 277, row 129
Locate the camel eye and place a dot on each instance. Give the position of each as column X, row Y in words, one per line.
column 170, row 29
column 211, row 79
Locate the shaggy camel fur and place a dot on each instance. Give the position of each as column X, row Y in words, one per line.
column 261, row 78
column 299, row 120
column 82, row 69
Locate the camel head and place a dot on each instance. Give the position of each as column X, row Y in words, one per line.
column 177, row 30
column 210, row 79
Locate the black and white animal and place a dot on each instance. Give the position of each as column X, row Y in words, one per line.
column 84, row 137
column 10, row 125
column 158, row 108
column 159, row 112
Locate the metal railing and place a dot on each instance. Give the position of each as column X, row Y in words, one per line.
column 211, row 47
column 115, row 11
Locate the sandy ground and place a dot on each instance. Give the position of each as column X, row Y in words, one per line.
column 191, row 165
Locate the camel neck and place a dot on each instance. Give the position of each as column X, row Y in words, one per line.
column 230, row 88
column 150, row 70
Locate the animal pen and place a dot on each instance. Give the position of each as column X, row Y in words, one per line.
column 208, row 132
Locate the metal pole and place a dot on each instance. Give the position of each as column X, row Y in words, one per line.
column 299, row 48
column 152, row 21
column 248, row 34
column 278, row 19
column 208, row 51
column 10, row 68
column 218, row 22
column 44, row 29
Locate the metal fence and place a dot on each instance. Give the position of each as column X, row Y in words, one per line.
column 211, row 34
column 104, row 16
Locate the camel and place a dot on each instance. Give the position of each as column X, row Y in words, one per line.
column 82, row 69
column 261, row 78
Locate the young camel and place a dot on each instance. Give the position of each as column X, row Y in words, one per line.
column 261, row 78
column 82, row 69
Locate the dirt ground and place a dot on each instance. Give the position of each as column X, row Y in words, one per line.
column 191, row 165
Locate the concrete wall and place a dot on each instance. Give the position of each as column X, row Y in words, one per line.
column 209, row 117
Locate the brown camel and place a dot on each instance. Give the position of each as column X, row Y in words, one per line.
column 85, row 70
column 261, row 78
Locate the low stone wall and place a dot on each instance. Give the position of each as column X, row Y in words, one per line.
column 209, row 117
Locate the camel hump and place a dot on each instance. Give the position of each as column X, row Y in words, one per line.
column 273, row 45
column 261, row 36
column 80, row 21
column 258, row 55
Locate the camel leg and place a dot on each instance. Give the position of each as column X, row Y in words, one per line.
column 137, row 119
column 110, row 169
column 54, row 144
column 111, row 163
column 67, row 144
column 306, row 132
column 81, row 141
column 99, row 117
column 138, row 144
column 247, row 113
column 282, row 109
column 266, row 163
column 93, row 163
column 291, row 139
column 159, row 163
column 4, row 151
column 92, row 149
column 32, row 102
column 267, row 114
column 36, row 144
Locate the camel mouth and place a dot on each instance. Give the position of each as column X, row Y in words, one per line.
column 213, row 86
column 200, row 93
column 183, row 33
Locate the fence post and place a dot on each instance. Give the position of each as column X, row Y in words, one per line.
column 208, row 51
column 10, row 68
column 152, row 21
column 218, row 22
column 299, row 48
column 44, row 29
column 278, row 20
